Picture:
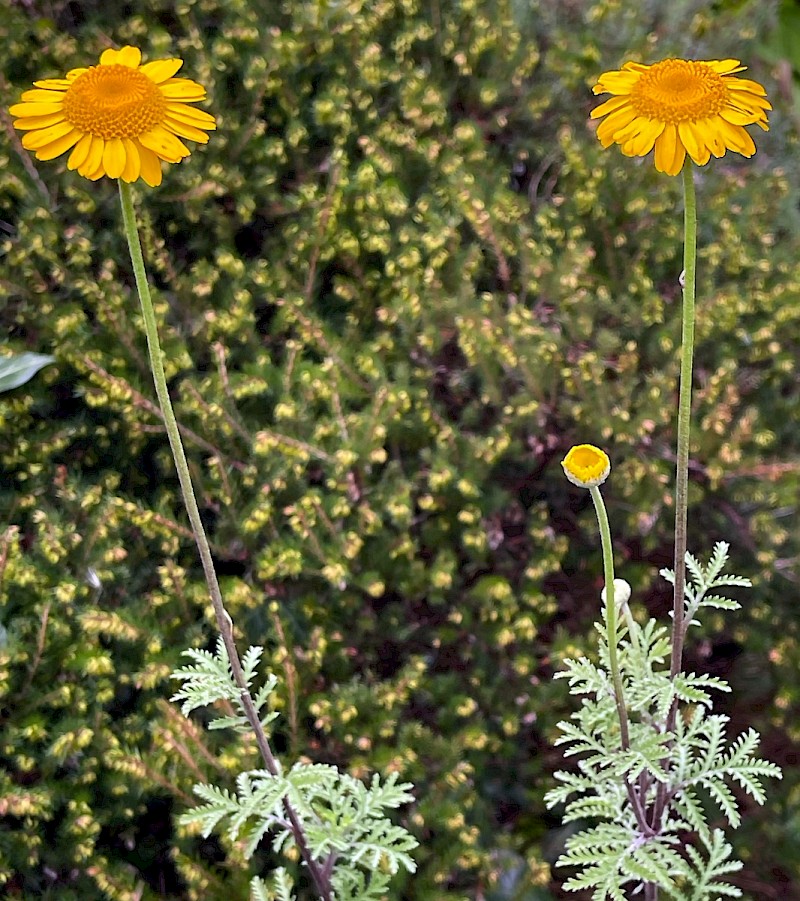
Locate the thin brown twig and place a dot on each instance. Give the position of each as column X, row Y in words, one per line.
column 325, row 215
column 126, row 336
column 187, row 726
column 140, row 401
column 235, row 422
column 170, row 741
column 206, row 408
column 172, row 526
column 37, row 657
column 770, row 471
column 177, row 589
column 316, row 333
column 316, row 547
column 309, row 449
column 155, row 776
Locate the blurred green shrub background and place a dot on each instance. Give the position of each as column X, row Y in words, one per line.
column 402, row 279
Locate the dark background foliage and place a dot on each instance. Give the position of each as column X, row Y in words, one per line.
column 400, row 281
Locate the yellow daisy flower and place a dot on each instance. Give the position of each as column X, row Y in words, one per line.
column 586, row 466
column 680, row 106
column 119, row 118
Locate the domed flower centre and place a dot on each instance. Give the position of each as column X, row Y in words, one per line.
column 678, row 90
column 114, row 102
column 586, row 460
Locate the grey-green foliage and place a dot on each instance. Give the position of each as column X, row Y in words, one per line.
column 210, row 680
column 691, row 766
column 280, row 888
column 344, row 821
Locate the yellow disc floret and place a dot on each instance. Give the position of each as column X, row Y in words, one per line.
column 678, row 90
column 114, row 102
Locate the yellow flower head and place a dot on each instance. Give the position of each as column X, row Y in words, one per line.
column 680, row 106
column 119, row 118
column 586, row 466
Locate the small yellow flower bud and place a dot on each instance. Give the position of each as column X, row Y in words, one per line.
column 586, row 466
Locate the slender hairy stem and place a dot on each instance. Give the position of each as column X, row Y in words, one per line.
column 637, row 801
column 684, row 412
column 682, row 467
column 224, row 623
column 611, row 614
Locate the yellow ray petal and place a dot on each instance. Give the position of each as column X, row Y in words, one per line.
column 33, row 140
column 736, row 117
column 114, row 157
column 185, row 131
column 712, row 137
column 133, row 163
column 756, row 105
column 38, row 121
column 609, row 106
column 25, row 110
column 629, row 131
column 94, row 158
column 744, row 84
column 725, row 66
column 151, row 167
column 703, row 153
column 737, row 138
column 666, row 150
column 53, row 84
column 642, row 144
column 183, row 89
column 191, row 116
column 37, row 95
column 689, row 140
column 59, row 146
column 80, row 152
column 619, row 120
column 126, row 56
column 616, row 83
column 161, row 69
column 606, row 132
column 165, row 144
column 680, row 158
column 130, row 57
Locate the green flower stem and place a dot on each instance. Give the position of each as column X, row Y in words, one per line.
column 224, row 622
column 611, row 614
column 682, row 465
column 613, row 651
column 684, row 412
